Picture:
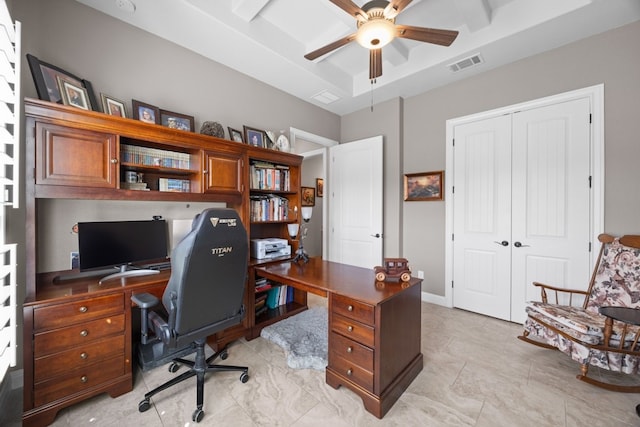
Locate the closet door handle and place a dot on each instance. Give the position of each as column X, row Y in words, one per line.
column 520, row 245
column 503, row 243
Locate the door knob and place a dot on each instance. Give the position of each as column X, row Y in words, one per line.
column 520, row 245
column 503, row 243
column 377, row 235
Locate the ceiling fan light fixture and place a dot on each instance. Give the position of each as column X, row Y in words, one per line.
column 376, row 33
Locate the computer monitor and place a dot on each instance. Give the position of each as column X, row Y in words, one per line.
column 123, row 245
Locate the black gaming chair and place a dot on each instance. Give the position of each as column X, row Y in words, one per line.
column 204, row 296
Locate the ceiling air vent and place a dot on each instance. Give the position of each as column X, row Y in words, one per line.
column 325, row 97
column 466, row 63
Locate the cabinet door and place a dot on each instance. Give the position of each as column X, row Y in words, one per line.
column 223, row 173
column 75, row 157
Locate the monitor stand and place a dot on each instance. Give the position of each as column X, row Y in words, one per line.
column 127, row 271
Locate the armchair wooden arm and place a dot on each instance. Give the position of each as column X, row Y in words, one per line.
column 558, row 291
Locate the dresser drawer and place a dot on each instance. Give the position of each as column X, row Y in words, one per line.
column 351, row 329
column 353, row 309
column 351, row 371
column 78, row 380
column 352, row 351
column 62, row 339
column 78, row 357
column 59, row 315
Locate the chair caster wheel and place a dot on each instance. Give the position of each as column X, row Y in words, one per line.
column 144, row 405
column 197, row 416
column 244, row 377
column 224, row 355
column 174, row 367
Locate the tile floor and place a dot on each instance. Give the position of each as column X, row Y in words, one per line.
column 476, row 373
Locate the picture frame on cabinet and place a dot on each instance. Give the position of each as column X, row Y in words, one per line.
column 113, row 106
column 175, row 120
column 145, row 112
column 255, row 137
column 424, row 186
column 308, row 195
column 235, row 135
column 45, row 76
column 72, row 94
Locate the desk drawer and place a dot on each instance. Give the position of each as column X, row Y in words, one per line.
column 78, row 380
column 78, row 357
column 354, row 330
column 61, row 315
column 353, row 309
column 62, row 339
column 352, row 351
column 351, row 371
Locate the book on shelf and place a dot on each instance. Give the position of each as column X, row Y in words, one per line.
column 279, row 295
column 174, row 184
column 135, row 154
column 268, row 176
column 268, row 207
column 273, row 295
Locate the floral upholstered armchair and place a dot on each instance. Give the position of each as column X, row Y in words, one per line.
column 579, row 331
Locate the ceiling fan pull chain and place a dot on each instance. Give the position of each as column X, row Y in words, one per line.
column 373, row 81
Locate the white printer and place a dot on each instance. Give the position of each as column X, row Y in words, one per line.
column 269, row 248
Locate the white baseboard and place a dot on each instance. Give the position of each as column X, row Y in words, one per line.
column 434, row 299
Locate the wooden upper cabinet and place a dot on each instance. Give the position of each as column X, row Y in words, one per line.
column 75, row 157
column 223, row 173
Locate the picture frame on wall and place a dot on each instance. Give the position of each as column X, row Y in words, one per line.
column 424, row 186
column 145, row 112
column 73, row 94
column 319, row 187
column 113, row 106
column 175, row 120
column 235, row 134
column 45, row 77
column 255, row 137
column 308, row 195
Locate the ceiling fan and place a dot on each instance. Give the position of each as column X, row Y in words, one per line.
column 376, row 28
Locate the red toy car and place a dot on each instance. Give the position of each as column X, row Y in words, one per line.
column 394, row 268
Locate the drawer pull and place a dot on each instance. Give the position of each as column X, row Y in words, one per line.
column 349, row 372
column 84, row 333
column 83, row 355
column 349, row 349
column 83, row 309
column 84, row 379
column 350, row 328
column 350, row 308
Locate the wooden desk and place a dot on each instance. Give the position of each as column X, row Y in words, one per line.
column 78, row 341
column 374, row 328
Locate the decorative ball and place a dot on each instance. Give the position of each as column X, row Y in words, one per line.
column 212, row 129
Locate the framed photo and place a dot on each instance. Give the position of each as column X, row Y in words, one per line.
column 45, row 77
column 176, row 120
column 112, row 106
column 72, row 94
column 427, row 186
column 235, row 135
column 319, row 187
column 308, row 196
column 255, row 137
column 145, row 112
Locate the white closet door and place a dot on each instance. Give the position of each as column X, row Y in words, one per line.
column 482, row 217
column 551, row 200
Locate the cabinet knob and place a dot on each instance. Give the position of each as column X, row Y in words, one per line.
column 349, row 349
column 350, row 328
column 83, row 309
column 83, row 355
column 84, row 333
column 350, row 308
column 114, row 161
column 349, row 372
column 205, row 171
column 84, row 379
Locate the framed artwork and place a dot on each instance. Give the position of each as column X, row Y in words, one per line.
column 235, row 135
column 72, row 94
column 255, row 137
column 424, row 186
column 176, row 120
column 319, row 187
column 45, row 77
column 112, row 106
column 308, row 196
column 145, row 112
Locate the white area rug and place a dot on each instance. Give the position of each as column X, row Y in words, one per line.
column 303, row 337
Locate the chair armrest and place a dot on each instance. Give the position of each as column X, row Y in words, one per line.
column 558, row 291
column 145, row 300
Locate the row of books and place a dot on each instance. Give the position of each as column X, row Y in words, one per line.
column 154, row 157
column 268, row 207
column 267, row 176
column 174, row 184
column 269, row 295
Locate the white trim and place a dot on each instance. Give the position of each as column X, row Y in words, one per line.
column 596, row 98
column 434, row 299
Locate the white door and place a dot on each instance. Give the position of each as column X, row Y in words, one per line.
column 521, row 208
column 355, row 204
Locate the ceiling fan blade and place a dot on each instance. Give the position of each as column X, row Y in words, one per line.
column 395, row 7
column 375, row 63
column 352, row 9
column 328, row 48
column 429, row 35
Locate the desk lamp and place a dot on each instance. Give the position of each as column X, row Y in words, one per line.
column 293, row 232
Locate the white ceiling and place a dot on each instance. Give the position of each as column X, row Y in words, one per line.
column 267, row 39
